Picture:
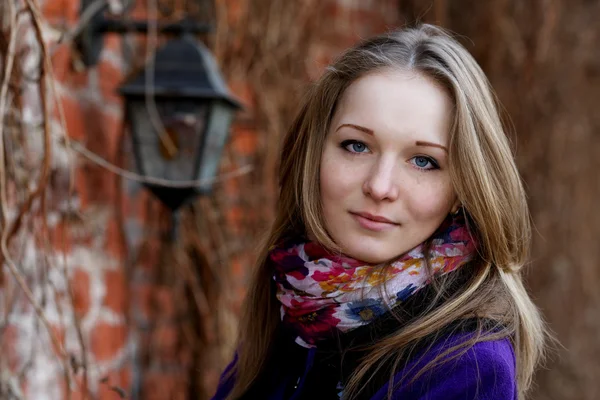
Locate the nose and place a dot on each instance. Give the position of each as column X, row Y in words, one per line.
column 381, row 182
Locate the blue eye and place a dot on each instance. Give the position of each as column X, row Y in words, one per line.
column 354, row 146
column 425, row 163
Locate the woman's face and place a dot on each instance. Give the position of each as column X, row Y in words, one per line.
column 384, row 178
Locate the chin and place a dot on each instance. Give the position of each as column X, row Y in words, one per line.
column 371, row 258
column 369, row 253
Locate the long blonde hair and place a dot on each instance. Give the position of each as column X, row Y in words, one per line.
column 484, row 176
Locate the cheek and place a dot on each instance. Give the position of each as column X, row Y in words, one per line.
column 341, row 189
column 431, row 202
column 331, row 186
column 336, row 182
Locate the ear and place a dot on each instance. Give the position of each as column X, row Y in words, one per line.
column 455, row 206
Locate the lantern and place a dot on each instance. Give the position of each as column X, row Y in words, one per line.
column 179, row 111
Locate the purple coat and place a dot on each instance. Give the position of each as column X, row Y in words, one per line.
column 485, row 372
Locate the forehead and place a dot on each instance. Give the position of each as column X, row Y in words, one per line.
column 399, row 104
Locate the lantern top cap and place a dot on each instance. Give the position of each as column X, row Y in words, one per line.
column 183, row 68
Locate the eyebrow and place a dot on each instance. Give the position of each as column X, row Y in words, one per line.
column 357, row 127
column 439, row 146
column 370, row 132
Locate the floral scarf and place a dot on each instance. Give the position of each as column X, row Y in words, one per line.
column 320, row 292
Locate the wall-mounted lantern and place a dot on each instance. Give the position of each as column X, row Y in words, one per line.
column 181, row 136
column 178, row 108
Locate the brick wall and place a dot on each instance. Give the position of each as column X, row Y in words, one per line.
column 104, row 281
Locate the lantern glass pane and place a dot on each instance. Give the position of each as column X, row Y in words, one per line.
column 217, row 131
column 168, row 137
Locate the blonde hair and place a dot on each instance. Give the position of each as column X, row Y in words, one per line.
column 485, row 179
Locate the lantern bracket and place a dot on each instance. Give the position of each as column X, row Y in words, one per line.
column 90, row 41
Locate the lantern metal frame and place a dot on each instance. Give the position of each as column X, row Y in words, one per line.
column 90, row 40
column 184, row 71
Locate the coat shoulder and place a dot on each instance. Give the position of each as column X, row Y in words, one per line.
column 484, row 371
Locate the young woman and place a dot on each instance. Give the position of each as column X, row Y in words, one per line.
column 393, row 268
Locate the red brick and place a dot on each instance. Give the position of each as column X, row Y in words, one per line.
column 238, row 298
column 8, row 347
column 81, row 188
column 103, row 132
column 94, row 184
column 60, row 237
column 115, row 384
column 113, row 43
column 62, row 65
column 139, row 10
column 58, row 333
column 77, row 80
column 231, row 188
column 53, row 9
column 333, row 10
column 244, row 92
column 61, row 62
column 234, row 12
column 161, row 385
column 114, row 241
column 72, row 394
column 154, row 302
column 116, row 291
column 166, row 340
column 353, row 23
column 320, row 56
column 164, row 302
column 142, row 299
column 235, row 218
column 107, row 339
column 80, row 285
column 238, row 269
column 148, row 253
column 61, row 10
column 135, row 206
column 110, row 77
column 244, row 141
column 149, row 206
column 112, row 127
column 364, row 17
column 79, row 389
column 75, row 123
column 129, row 204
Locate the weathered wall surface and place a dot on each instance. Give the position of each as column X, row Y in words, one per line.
column 132, row 314
column 145, row 318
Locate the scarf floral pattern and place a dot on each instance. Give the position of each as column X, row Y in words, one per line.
column 320, row 291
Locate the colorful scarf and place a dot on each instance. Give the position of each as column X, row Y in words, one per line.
column 320, row 292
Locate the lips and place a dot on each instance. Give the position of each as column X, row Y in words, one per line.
column 373, row 222
column 376, row 218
